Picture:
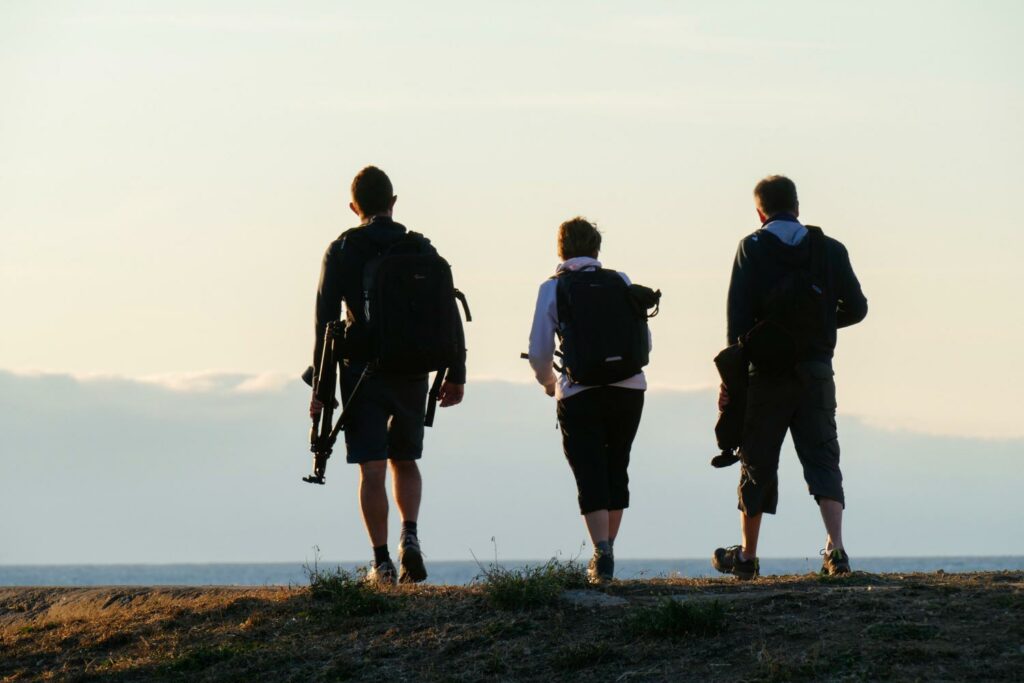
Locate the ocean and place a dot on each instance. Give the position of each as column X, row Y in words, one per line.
column 444, row 572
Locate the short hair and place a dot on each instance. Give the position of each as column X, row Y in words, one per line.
column 372, row 191
column 776, row 194
column 578, row 237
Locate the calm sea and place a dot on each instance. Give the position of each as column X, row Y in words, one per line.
column 461, row 572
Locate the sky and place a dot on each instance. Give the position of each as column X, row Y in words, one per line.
column 172, row 173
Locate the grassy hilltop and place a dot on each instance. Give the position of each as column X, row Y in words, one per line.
column 538, row 625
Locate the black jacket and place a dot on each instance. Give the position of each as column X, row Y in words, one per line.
column 341, row 279
column 762, row 260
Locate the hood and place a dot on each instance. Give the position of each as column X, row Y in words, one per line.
column 578, row 263
column 790, row 232
column 381, row 231
column 785, row 241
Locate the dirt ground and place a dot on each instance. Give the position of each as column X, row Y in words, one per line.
column 866, row 627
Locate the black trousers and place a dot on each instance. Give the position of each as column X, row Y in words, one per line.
column 598, row 426
column 802, row 402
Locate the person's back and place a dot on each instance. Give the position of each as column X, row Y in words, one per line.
column 385, row 411
column 599, row 404
column 382, row 265
column 792, row 392
column 342, row 276
column 766, row 257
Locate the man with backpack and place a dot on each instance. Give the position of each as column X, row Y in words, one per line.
column 600, row 320
column 791, row 289
column 401, row 322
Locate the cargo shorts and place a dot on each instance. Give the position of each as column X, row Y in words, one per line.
column 802, row 402
column 385, row 417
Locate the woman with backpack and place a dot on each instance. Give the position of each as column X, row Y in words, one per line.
column 603, row 343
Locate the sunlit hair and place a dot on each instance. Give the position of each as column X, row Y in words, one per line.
column 578, row 237
column 372, row 191
column 776, row 194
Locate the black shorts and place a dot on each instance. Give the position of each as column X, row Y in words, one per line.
column 598, row 426
column 385, row 418
column 802, row 402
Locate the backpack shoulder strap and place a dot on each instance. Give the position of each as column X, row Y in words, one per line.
column 417, row 241
column 817, row 243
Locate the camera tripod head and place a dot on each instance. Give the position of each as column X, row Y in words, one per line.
column 319, row 468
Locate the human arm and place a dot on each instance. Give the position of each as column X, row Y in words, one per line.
column 542, row 336
column 740, row 301
column 326, row 310
column 851, row 305
column 457, row 372
column 451, row 393
column 454, row 385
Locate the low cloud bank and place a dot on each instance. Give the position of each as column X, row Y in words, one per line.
column 207, row 467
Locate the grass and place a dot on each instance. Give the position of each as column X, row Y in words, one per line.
column 795, row 628
column 203, row 657
column 776, row 668
column 579, row 656
column 901, row 630
column 851, row 579
column 345, row 594
column 674, row 619
column 530, row 587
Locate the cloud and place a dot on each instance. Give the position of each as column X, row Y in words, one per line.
column 121, row 470
column 264, row 383
column 247, row 22
column 679, row 33
column 195, row 382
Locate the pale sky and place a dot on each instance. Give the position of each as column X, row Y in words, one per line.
column 170, row 174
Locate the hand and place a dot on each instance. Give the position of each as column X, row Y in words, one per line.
column 315, row 406
column 450, row 394
column 723, row 398
column 549, row 389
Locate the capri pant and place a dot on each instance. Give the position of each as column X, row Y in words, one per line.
column 598, row 426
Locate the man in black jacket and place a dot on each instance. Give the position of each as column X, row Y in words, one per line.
column 801, row 397
column 385, row 421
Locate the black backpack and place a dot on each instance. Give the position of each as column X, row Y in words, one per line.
column 410, row 309
column 793, row 313
column 602, row 326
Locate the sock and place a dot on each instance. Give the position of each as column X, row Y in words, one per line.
column 408, row 528
column 381, row 554
column 604, row 547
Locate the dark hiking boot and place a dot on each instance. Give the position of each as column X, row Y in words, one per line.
column 410, row 559
column 835, row 562
column 727, row 561
column 601, row 567
column 381, row 574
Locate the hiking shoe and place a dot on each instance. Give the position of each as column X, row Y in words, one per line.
column 727, row 561
column 410, row 559
column 601, row 567
column 835, row 562
column 381, row 574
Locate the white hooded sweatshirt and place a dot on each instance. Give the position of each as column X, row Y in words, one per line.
column 542, row 336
